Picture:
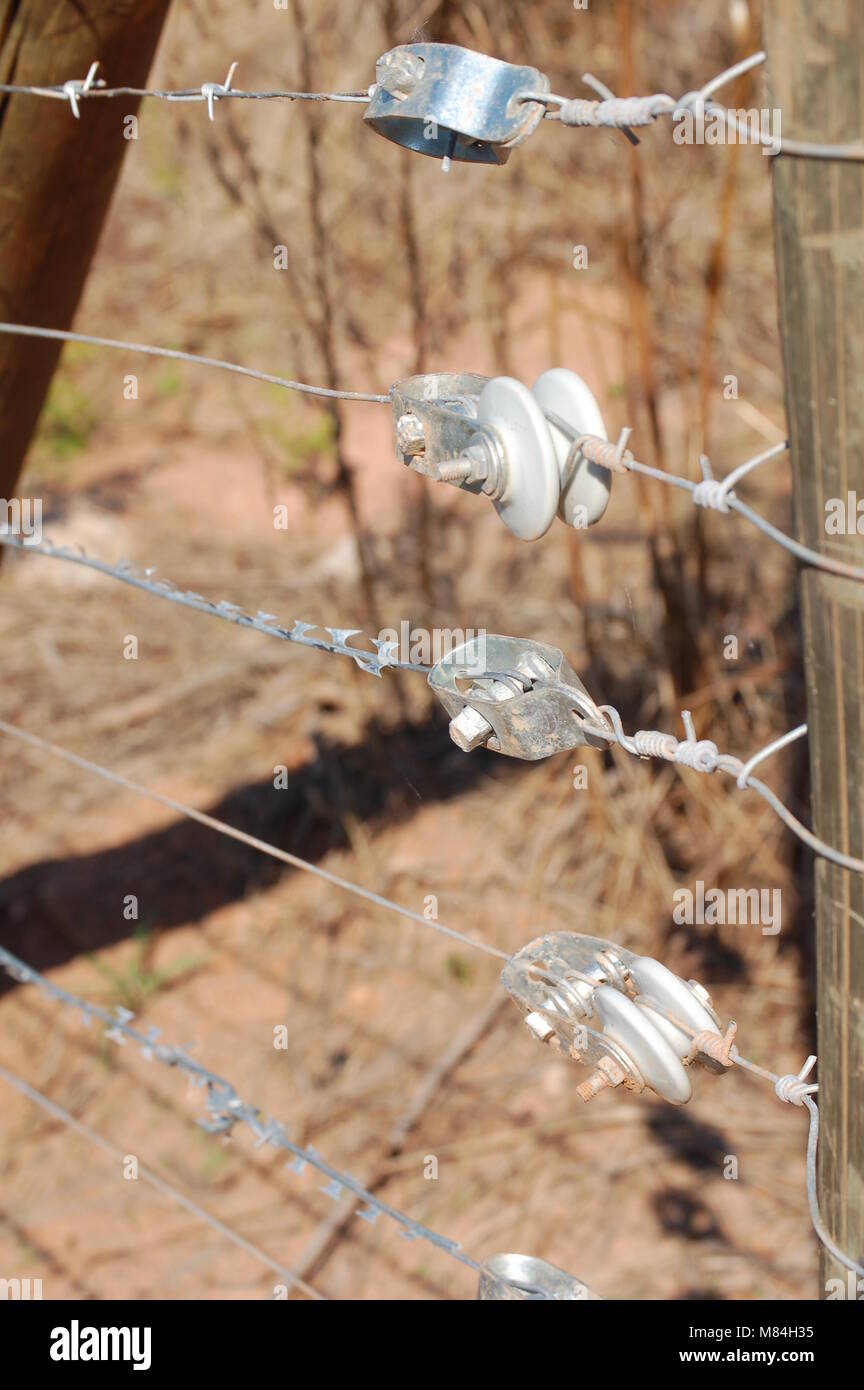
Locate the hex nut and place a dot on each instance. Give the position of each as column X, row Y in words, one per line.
column 409, row 435
column 469, row 729
column 398, row 72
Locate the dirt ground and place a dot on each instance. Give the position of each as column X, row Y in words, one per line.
column 628, row 1194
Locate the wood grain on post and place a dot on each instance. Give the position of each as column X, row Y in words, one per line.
column 816, row 79
column 56, row 179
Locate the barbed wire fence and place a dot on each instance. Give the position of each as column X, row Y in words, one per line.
column 610, row 112
column 222, row 1100
column 225, row 1109
column 224, row 1106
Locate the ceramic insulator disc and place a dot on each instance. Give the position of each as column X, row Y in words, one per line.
column 657, row 984
column 634, row 1031
column 586, row 496
column 530, row 499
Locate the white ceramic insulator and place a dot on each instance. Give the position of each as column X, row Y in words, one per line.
column 657, row 984
column 585, row 496
column 533, row 487
column 636, row 1032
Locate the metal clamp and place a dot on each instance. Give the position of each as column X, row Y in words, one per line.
column 628, row 1017
column 515, row 696
column 520, row 447
column 452, row 103
column 514, row 1277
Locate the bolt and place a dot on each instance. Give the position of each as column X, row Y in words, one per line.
column 473, row 465
column 608, row 1073
column 539, row 1026
column 455, row 470
column 398, row 72
column 409, row 435
column 469, row 729
column 533, row 664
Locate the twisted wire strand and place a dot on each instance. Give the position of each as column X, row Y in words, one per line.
column 794, row 1089
column 714, row 493
column 625, row 113
column 703, row 755
column 225, row 1108
column 180, row 94
column 78, row 89
column 274, row 852
column 153, row 1180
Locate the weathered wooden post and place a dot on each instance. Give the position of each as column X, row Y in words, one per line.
column 57, row 175
column 816, row 79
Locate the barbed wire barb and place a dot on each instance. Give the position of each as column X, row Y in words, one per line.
column 702, row 755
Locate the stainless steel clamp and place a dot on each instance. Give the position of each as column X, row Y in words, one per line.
column 452, row 103
column 515, row 696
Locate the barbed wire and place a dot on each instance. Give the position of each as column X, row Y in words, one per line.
column 274, row 852
column 90, row 87
column 701, row 755
column 176, row 355
column 625, row 113
column 622, row 113
column 373, row 662
column 789, row 1088
column 796, row 1090
column 153, row 1180
column 225, row 1108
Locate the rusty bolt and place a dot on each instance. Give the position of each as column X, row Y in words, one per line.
column 608, row 1073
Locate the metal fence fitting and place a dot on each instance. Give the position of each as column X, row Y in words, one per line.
column 513, row 696
column 521, row 447
column 454, row 104
column 526, row 1278
column 628, row 1017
